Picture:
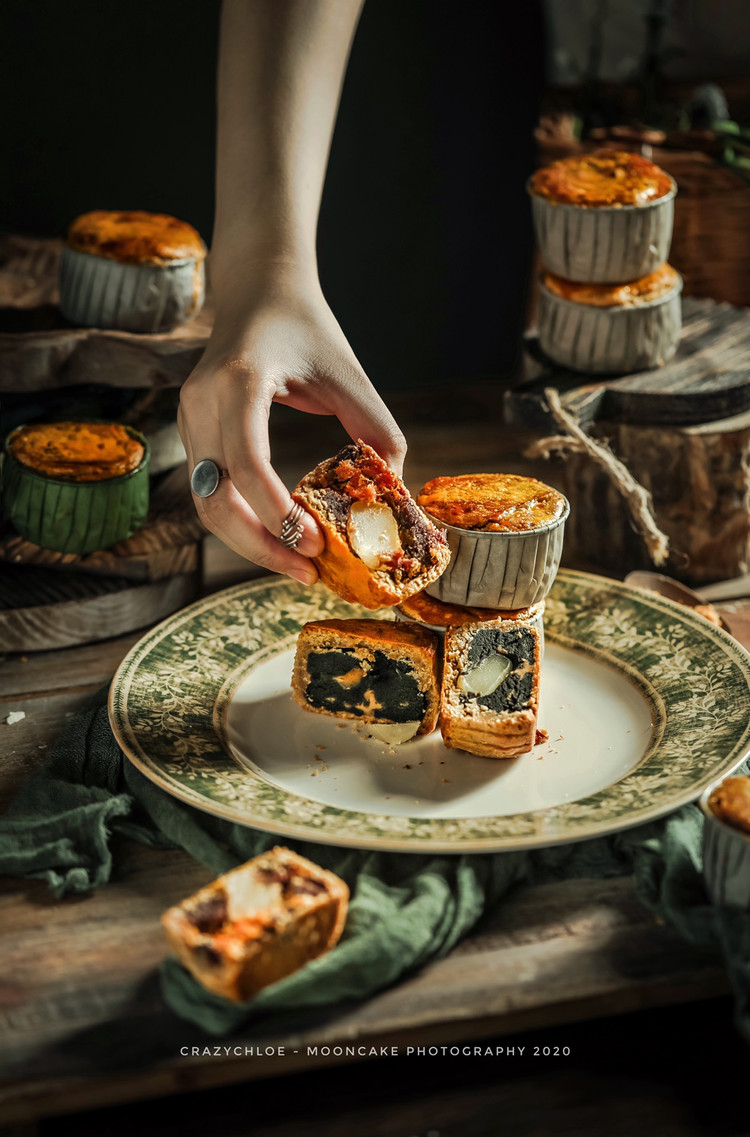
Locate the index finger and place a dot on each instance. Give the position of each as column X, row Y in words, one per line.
column 248, row 457
column 226, row 514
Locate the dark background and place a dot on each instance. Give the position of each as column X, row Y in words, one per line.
column 425, row 235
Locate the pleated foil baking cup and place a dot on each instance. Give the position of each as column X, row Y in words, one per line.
column 99, row 293
column 74, row 517
column 533, row 620
column 609, row 341
column 603, row 244
column 726, row 860
column 499, row 570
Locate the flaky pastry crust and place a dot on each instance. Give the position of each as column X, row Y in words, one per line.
column 135, row 237
column 77, row 451
column 498, row 503
column 604, row 178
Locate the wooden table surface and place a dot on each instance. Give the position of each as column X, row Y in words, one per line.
column 82, row 1022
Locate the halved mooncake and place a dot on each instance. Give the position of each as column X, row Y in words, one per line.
column 490, row 693
column 380, row 547
column 376, row 671
column 258, row 923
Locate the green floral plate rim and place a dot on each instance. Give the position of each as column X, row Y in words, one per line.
column 171, row 688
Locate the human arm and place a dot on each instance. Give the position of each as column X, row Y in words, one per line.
column 281, row 67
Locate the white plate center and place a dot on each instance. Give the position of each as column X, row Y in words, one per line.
column 599, row 726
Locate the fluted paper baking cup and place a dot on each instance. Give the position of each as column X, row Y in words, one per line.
column 603, row 244
column 609, row 341
column 499, row 570
column 74, row 517
column 726, row 859
column 100, row 293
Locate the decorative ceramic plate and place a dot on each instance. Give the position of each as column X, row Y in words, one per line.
column 643, row 701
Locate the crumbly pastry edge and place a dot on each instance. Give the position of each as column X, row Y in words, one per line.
column 478, row 729
column 232, row 978
column 348, row 576
column 301, row 675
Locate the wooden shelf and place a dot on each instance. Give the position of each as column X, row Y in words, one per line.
column 40, row 350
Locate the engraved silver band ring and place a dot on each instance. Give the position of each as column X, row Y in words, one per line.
column 291, row 527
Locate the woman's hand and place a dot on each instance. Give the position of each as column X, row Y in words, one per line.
column 275, row 339
column 276, row 342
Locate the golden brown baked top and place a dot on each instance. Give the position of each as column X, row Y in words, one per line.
column 606, row 177
column 497, row 503
column 428, row 610
column 730, row 802
column 637, row 292
column 77, row 451
column 377, row 633
column 135, row 237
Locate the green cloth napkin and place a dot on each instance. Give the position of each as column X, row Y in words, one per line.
column 405, row 911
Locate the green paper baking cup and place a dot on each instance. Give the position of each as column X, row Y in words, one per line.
column 74, row 517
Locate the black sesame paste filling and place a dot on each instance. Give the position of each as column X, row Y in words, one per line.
column 387, row 690
column 514, row 692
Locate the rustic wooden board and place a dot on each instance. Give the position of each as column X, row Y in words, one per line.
column 156, row 551
column 25, row 745
column 708, row 379
column 49, row 688
column 553, row 954
column 90, row 665
column 698, row 478
column 100, row 610
column 51, row 600
column 38, row 349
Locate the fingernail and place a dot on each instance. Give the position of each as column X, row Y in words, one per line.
column 304, row 576
column 311, row 545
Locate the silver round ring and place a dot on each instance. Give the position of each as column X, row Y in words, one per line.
column 205, row 478
column 291, row 527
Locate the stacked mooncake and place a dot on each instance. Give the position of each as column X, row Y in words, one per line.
column 609, row 302
column 505, row 534
column 476, row 557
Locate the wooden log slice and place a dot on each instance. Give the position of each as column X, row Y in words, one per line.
column 708, row 379
column 42, row 609
column 699, row 480
column 39, row 349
